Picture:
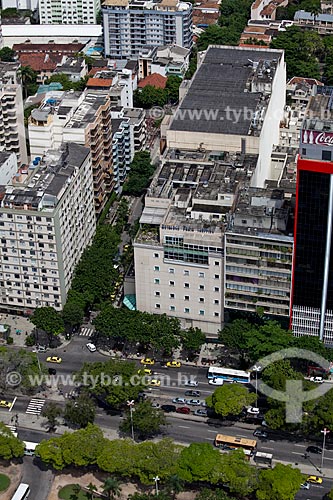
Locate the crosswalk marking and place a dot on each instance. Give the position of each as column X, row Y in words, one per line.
column 86, row 332
column 35, row 406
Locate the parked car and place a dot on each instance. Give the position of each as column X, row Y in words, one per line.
column 253, row 410
column 200, row 413
column 154, row 382
column 145, row 371
column 168, row 408
column 314, row 480
column 317, row 380
column 261, row 434
column 193, row 402
column 305, row 486
column 173, row 364
column 216, row 381
column 314, row 449
column 155, row 405
column 192, row 393
column 179, row 401
column 191, row 383
column 184, row 410
column 147, row 361
column 52, row 371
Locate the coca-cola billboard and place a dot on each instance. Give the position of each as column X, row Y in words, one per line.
column 317, row 138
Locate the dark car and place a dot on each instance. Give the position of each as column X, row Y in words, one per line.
column 52, row 371
column 314, row 449
column 184, row 410
column 192, row 393
column 168, row 408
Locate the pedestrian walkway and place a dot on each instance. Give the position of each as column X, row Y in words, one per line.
column 86, row 332
column 35, row 406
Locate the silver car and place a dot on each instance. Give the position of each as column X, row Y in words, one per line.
column 193, row 402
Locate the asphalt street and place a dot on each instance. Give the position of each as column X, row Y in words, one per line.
column 182, row 428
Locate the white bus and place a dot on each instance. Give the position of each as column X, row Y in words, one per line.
column 265, row 459
column 228, row 374
column 22, row 492
column 29, row 448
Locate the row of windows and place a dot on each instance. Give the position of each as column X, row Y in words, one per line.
column 256, row 271
column 186, row 285
column 186, row 297
column 186, row 272
column 25, row 217
column 187, row 310
column 253, row 289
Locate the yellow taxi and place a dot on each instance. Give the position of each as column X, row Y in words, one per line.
column 145, row 371
column 5, row 404
column 154, row 382
column 147, row 361
column 173, row 364
column 314, row 479
column 53, row 359
column 126, row 247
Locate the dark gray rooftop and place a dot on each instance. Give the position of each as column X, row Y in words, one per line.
column 218, row 93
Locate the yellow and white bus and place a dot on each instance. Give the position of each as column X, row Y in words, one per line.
column 232, row 443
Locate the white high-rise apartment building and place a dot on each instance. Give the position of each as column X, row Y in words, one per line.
column 12, row 133
column 47, row 219
column 130, row 25
column 68, row 11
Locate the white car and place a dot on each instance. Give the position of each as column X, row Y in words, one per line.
column 317, row 380
column 216, row 381
column 191, row 383
column 253, row 410
column 91, row 347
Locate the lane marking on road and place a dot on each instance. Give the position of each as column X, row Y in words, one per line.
column 212, row 432
column 300, row 445
column 266, row 448
column 184, row 427
column 14, row 401
column 297, row 453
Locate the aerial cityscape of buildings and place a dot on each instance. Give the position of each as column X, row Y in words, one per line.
column 217, row 229
column 186, row 148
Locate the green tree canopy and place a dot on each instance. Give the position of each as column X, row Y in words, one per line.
column 147, row 421
column 113, row 382
column 193, row 339
column 81, row 448
column 140, row 174
column 7, row 54
column 80, row 412
column 10, row 446
column 230, row 399
column 48, row 319
column 280, row 483
column 200, row 462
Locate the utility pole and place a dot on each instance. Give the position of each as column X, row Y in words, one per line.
column 130, row 404
column 324, row 432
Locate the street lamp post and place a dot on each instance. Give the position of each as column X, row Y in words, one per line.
column 156, row 479
column 324, row 432
column 256, row 369
column 130, row 404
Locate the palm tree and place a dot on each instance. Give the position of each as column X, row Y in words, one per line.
column 91, row 487
column 174, row 485
column 111, row 488
column 27, row 75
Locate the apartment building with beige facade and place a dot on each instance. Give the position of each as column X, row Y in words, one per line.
column 47, row 219
column 83, row 118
